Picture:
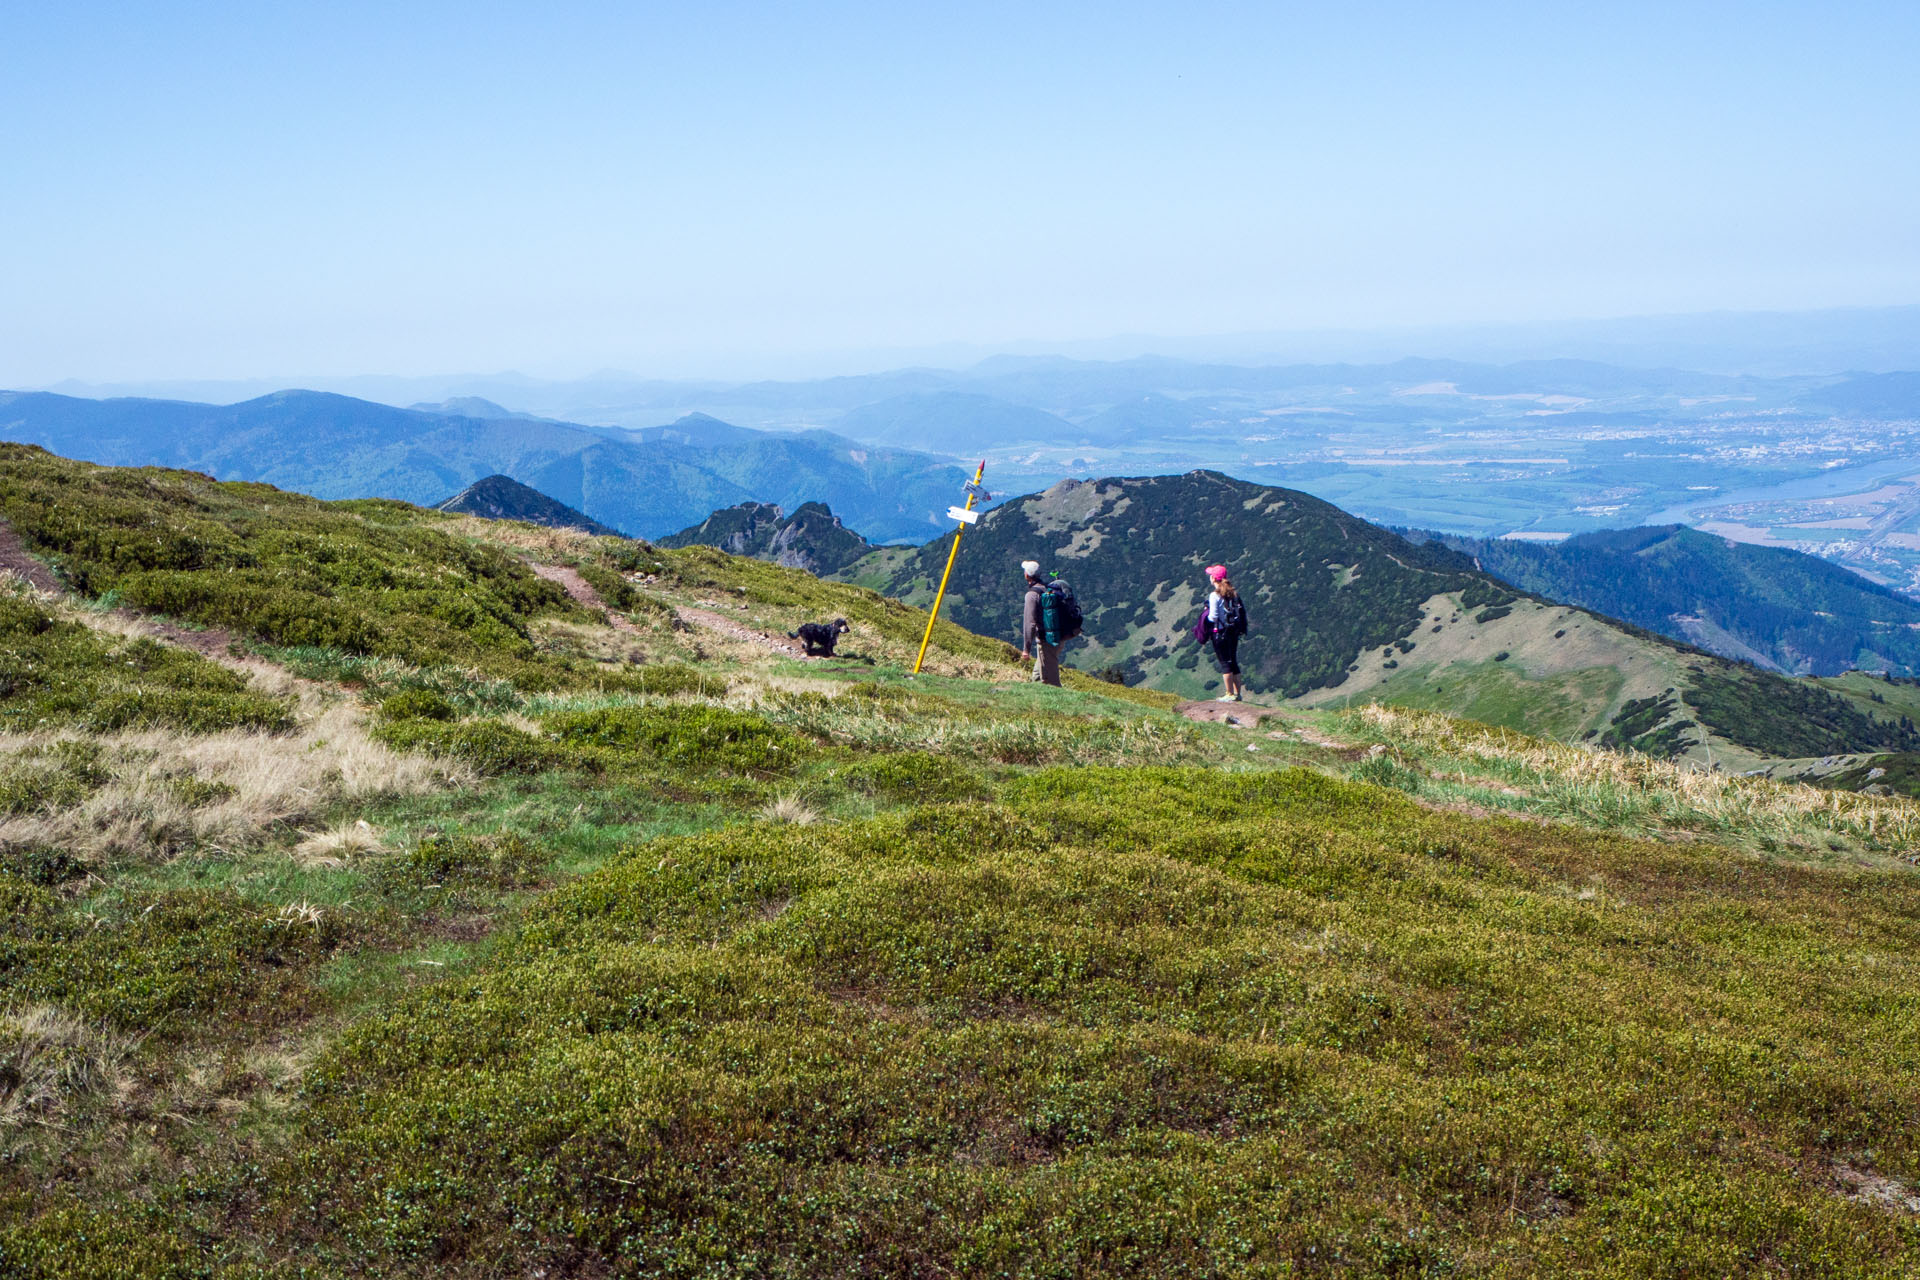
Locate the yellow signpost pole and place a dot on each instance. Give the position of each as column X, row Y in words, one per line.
column 966, row 517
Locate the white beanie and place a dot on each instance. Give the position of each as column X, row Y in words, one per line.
column 1030, row 567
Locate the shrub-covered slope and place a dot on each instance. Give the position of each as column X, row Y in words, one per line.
column 1771, row 605
column 367, row 578
column 1062, row 1036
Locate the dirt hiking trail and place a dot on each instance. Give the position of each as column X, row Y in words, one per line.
column 212, row 643
column 578, row 589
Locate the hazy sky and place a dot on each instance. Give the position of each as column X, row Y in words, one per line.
column 227, row 191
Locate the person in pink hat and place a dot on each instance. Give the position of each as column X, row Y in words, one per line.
column 1225, row 622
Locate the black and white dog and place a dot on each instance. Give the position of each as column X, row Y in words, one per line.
column 820, row 637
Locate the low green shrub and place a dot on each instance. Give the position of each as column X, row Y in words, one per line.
column 694, row 737
column 495, row 862
column 914, row 776
column 613, row 589
column 54, row 673
column 417, row 704
column 630, row 555
column 488, row 745
column 73, row 1241
column 44, row 865
column 155, row 956
column 366, row 578
column 1138, row 1021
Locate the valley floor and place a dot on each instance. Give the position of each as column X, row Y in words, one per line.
column 637, row 945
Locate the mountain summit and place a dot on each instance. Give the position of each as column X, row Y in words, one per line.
column 504, row 498
column 812, row 538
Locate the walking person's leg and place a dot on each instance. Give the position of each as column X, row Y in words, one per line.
column 1048, row 665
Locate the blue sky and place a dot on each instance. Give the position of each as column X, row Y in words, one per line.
column 234, row 191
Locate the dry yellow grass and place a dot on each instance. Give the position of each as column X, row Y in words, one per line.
column 1750, row 804
column 547, row 544
column 790, row 809
column 339, row 845
column 50, row 1060
column 169, row 791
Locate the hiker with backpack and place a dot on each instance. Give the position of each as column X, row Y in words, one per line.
column 1050, row 618
column 1222, row 625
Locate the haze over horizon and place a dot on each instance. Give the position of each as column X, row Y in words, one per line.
column 320, row 193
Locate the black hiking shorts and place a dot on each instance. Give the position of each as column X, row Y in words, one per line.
column 1226, row 655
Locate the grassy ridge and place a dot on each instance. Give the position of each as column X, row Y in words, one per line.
column 366, row 577
column 654, row 951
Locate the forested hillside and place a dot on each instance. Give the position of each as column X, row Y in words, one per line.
column 1770, row 605
column 812, row 538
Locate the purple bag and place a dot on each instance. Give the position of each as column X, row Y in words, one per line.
column 1203, row 629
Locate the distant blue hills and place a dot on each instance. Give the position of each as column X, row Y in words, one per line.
column 648, row 482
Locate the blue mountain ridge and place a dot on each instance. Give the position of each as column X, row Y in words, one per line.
column 648, row 482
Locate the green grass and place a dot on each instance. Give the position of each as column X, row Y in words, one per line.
column 1495, row 693
column 698, row 568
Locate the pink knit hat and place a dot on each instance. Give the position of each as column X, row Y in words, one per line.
column 1216, row 571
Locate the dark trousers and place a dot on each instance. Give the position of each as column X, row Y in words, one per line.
column 1226, row 654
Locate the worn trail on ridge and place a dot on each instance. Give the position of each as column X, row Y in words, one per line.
column 582, row 592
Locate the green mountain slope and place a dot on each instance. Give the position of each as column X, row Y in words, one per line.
column 1346, row 612
column 812, row 538
column 647, row 482
column 558, row 922
column 504, row 498
column 1769, row 605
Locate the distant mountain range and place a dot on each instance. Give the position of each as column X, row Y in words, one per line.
column 1772, row 606
column 504, row 498
column 949, row 420
column 1558, row 446
column 1345, row 612
column 812, row 538
column 647, row 482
